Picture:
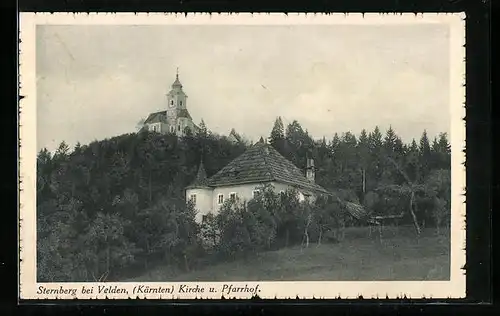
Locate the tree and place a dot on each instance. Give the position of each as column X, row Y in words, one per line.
column 62, row 151
column 202, row 131
column 363, row 158
column 346, row 157
column 392, row 148
column 412, row 161
column 376, row 146
column 106, row 247
column 298, row 144
column 169, row 232
column 58, row 223
column 438, row 188
column 408, row 189
column 425, row 154
column 390, row 142
column 277, row 137
column 441, row 152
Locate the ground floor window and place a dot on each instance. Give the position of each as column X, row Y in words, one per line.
column 255, row 193
column 232, row 196
column 220, row 199
column 193, row 198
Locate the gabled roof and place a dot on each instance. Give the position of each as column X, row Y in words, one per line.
column 161, row 116
column 156, row 117
column 262, row 163
column 184, row 113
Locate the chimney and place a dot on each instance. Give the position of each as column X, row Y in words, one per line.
column 310, row 170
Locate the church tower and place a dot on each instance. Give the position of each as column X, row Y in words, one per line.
column 175, row 119
column 176, row 102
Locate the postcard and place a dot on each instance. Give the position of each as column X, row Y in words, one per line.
column 172, row 156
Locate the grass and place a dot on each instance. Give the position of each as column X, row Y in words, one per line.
column 360, row 257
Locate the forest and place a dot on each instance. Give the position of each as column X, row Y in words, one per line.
column 114, row 208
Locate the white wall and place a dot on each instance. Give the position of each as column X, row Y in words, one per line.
column 203, row 204
column 244, row 192
column 160, row 127
column 207, row 199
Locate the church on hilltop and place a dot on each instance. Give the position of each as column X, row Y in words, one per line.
column 176, row 118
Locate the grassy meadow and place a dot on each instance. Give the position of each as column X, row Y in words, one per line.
column 362, row 256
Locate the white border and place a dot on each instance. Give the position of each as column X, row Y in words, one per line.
column 455, row 288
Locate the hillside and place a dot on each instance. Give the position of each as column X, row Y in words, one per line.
column 398, row 257
column 118, row 205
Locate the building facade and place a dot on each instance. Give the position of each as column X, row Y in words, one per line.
column 176, row 118
column 241, row 178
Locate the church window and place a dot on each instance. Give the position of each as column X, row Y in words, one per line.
column 220, row 199
column 178, row 127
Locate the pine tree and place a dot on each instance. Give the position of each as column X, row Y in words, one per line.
column 335, row 142
column 363, row 158
column 298, row 144
column 390, row 142
column 425, row 154
column 376, row 154
column 443, row 149
column 413, row 161
column 203, row 131
column 392, row 148
column 62, row 151
column 277, row 137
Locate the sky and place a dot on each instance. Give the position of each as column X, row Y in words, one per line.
column 96, row 82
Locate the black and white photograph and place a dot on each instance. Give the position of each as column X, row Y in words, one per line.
column 179, row 156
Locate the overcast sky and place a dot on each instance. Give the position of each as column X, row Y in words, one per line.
column 95, row 82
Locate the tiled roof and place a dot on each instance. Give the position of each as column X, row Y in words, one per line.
column 156, row 117
column 184, row 113
column 262, row 163
column 161, row 116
